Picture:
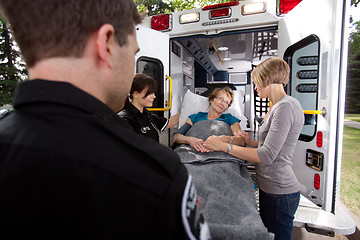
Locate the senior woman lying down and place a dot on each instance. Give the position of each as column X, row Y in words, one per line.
column 220, row 100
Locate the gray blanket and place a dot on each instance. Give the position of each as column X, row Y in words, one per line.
column 224, row 187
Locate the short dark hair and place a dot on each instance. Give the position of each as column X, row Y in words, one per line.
column 61, row 28
column 142, row 81
column 225, row 90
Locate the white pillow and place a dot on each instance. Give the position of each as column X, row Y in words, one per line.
column 194, row 103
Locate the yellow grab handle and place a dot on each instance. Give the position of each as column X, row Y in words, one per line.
column 168, row 104
column 217, row 52
column 313, row 111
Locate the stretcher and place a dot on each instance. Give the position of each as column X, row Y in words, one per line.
column 224, row 187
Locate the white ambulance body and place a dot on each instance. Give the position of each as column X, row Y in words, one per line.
column 220, row 44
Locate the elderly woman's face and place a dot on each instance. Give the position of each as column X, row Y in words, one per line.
column 221, row 102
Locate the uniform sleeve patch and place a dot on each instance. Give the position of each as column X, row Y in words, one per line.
column 195, row 225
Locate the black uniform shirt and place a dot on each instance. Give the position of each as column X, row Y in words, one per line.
column 71, row 169
column 145, row 123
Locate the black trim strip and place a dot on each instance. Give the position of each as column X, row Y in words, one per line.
column 333, row 204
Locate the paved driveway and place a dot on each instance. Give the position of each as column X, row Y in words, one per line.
column 353, row 124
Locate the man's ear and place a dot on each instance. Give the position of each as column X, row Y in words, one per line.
column 105, row 37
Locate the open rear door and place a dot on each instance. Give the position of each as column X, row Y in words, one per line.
column 313, row 40
column 153, row 60
column 310, row 40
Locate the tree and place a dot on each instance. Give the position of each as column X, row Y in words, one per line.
column 355, row 2
column 354, row 52
column 352, row 103
column 179, row 5
column 155, row 7
column 11, row 68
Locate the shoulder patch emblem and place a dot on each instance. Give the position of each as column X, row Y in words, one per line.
column 193, row 219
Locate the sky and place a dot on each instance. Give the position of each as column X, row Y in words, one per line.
column 355, row 12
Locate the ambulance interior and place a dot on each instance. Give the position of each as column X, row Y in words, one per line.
column 222, row 60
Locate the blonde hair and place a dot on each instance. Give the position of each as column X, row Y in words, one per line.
column 272, row 70
column 225, row 90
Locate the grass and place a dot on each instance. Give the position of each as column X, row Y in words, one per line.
column 350, row 169
column 353, row 117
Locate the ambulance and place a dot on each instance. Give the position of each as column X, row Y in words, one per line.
column 219, row 45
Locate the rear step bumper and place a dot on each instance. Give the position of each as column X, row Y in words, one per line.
column 316, row 220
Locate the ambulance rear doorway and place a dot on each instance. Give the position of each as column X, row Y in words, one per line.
column 201, row 63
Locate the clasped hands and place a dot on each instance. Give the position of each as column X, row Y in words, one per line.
column 215, row 143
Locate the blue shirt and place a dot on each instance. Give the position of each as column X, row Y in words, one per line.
column 202, row 116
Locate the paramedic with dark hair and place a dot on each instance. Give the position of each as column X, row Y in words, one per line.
column 70, row 168
column 278, row 135
column 142, row 96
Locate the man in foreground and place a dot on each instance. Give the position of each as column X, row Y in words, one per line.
column 69, row 166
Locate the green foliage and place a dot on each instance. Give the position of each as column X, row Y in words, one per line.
column 352, row 103
column 155, row 7
column 355, row 2
column 354, row 51
column 203, row 3
column 179, row 5
column 11, row 68
column 353, row 117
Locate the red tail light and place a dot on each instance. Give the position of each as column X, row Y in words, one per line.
column 220, row 13
column 285, row 6
column 319, row 139
column 317, row 181
column 221, row 5
column 161, row 22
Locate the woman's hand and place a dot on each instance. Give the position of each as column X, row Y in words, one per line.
column 198, row 145
column 244, row 135
column 214, row 143
column 225, row 138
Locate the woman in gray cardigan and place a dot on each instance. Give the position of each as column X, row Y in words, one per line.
column 278, row 133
